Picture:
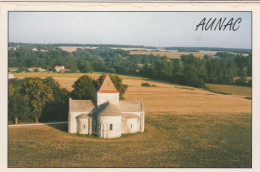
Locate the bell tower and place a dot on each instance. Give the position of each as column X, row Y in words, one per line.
column 107, row 92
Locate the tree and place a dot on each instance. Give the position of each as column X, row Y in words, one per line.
column 163, row 69
column 249, row 65
column 57, row 109
column 111, row 70
column 242, row 80
column 17, row 106
column 16, row 83
column 117, row 82
column 230, row 71
column 36, row 94
column 85, row 67
column 242, row 64
column 84, row 88
column 194, row 70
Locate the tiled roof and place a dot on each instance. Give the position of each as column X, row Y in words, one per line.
column 83, row 116
column 87, row 106
column 64, row 70
column 130, row 106
column 107, row 86
column 81, row 105
column 130, row 115
column 108, row 109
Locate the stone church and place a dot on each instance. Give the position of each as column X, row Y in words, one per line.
column 108, row 117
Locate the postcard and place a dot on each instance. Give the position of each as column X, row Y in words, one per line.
column 162, row 85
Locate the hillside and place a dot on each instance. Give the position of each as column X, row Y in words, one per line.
column 185, row 127
column 165, row 97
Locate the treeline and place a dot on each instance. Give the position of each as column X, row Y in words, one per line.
column 32, row 98
column 193, row 71
column 180, row 49
column 13, row 44
column 223, row 68
column 35, row 99
column 197, row 49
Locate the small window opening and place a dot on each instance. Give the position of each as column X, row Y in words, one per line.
column 111, row 127
column 84, row 126
column 131, row 125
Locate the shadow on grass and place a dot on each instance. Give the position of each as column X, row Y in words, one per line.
column 129, row 134
column 62, row 127
column 161, row 81
column 218, row 92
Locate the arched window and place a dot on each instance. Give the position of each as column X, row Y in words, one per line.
column 111, row 127
column 84, row 126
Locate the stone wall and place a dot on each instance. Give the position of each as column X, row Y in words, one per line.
column 111, row 97
column 72, row 121
column 83, row 126
column 104, row 123
column 140, row 122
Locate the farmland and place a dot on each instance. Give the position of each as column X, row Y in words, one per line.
column 231, row 89
column 174, row 54
column 165, row 97
column 185, row 127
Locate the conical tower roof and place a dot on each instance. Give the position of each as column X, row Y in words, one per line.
column 107, row 86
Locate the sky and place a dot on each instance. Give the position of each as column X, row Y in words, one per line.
column 158, row 29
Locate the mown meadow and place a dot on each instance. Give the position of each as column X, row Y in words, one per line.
column 169, row 140
column 184, row 127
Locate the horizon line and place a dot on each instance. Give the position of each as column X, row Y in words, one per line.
column 126, row 45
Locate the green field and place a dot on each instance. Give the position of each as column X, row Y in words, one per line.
column 169, row 140
column 231, row 89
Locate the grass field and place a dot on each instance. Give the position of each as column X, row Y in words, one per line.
column 185, row 127
column 173, row 54
column 231, row 89
column 169, row 140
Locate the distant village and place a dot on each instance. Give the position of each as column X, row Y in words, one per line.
column 193, row 66
column 58, row 69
